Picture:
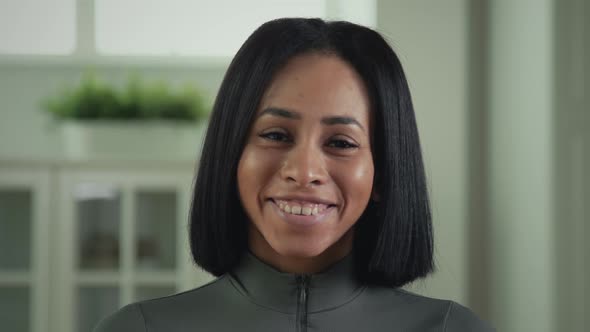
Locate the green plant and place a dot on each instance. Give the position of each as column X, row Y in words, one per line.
column 93, row 99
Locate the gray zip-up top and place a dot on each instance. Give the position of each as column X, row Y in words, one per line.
column 257, row 297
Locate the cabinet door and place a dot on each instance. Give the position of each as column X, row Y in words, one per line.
column 123, row 239
column 24, row 258
column 155, row 225
column 156, row 254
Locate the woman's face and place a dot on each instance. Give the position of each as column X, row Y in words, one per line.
column 306, row 172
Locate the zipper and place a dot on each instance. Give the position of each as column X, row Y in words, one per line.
column 301, row 315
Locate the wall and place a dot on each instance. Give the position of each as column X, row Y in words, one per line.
column 502, row 97
column 521, row 174
column 572, row 160
column 430, row 37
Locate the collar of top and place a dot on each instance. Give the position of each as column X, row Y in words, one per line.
column 280, row 291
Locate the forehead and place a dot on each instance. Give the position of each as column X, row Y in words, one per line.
column 318, row 84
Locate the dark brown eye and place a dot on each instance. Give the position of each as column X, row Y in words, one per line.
column 341, row 144
column 275, row 136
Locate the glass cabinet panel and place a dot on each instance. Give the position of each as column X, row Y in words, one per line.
column 152, row 292
column 15, row 229
column 156, row 230
column 98, row 223
column 14, row 308
column 95, row 303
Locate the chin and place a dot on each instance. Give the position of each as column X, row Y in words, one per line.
column 296, row 250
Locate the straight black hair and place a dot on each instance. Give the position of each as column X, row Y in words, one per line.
column 393, row 240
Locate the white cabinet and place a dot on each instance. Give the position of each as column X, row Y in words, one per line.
column 24, row 247
column 85, row 240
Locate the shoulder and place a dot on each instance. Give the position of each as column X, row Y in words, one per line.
column 137, row 316
column 422, row 313
column 127, row 319
column 452, row 317
column 460, row 318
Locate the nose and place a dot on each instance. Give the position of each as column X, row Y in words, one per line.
column 304, row 165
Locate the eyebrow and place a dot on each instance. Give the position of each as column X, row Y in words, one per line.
column 328, row 120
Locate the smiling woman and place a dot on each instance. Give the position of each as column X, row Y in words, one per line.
column 306, row 172
column 310, row 203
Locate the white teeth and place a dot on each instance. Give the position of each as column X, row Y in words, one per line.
column 297, row 209
column 306, row 211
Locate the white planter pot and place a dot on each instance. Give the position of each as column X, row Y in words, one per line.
column 132, row 140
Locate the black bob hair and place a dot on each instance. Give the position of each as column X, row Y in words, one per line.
column 393, row 241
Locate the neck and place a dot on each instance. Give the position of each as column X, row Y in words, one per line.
column 297, row 264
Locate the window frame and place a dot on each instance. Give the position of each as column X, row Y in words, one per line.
column 85, row 51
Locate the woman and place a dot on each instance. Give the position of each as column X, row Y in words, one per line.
column 310, row 203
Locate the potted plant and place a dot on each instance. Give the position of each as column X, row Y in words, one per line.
column 141, row 121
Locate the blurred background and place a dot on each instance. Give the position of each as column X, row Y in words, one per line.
column 103, row 104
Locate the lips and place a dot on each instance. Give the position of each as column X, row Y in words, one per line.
column 300, row 212
column 301, row 207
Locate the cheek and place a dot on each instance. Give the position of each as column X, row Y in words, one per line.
column 255, row 170
column 356, row 183
column 246, row 166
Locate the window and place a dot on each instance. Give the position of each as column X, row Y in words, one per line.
column 188, row 27
column 157, row 28
column 37, row 27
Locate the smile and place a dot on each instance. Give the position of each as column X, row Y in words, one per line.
column 300, row 213
column 301, row 208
